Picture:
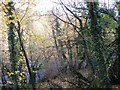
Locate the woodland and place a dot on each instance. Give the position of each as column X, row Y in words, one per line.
column 75, row 44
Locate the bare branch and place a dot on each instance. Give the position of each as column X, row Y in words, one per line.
column 81, row 26
column 25, row 13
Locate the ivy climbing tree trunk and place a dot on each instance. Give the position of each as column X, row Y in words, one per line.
column 9, row 9
column 101, row 76
column 13, row 33
column 115, row 70
column 25, row 55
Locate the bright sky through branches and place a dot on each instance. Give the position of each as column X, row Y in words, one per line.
column 45, row 5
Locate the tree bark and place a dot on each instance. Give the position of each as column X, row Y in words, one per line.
column 25, row 55
column 101, row 78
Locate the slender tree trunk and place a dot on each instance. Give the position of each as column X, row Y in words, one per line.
column 3, row 78
column 70, row 54
column 25, row 55
column 56, row 45
column 59, row 41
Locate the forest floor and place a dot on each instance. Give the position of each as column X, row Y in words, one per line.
column 67, row 79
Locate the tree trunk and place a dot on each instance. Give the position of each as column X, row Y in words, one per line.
column 9, row 8
column 115, row 69
column 101, row 78
column 25, row 55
